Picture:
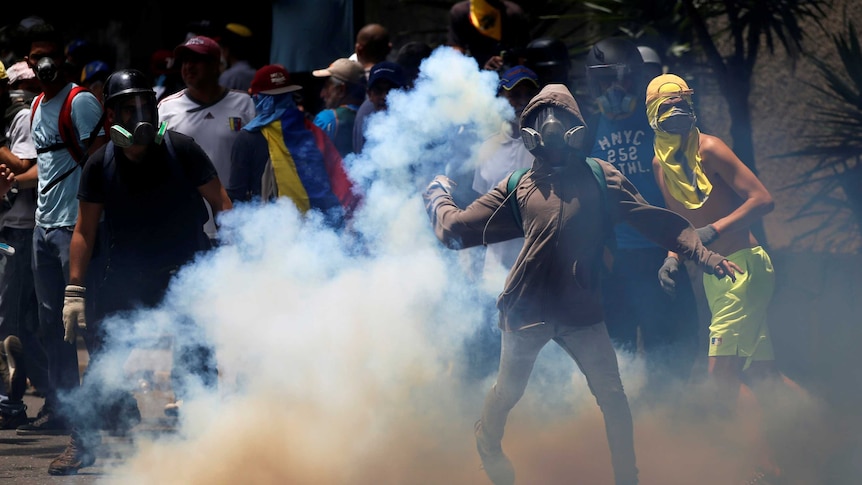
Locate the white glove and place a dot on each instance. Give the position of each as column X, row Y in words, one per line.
column 73, row 312
column 443, row 182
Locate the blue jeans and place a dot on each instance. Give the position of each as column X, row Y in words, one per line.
column 51, row 275
column 591, row 349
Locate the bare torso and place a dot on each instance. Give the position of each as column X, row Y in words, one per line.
column 731, row 188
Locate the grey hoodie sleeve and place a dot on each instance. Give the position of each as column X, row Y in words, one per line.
column 487, row 220
column 661, row 226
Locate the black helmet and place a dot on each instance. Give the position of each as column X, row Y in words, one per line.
column 549, row 59
column 136, row 119
column 615, row 75
column 125, row 82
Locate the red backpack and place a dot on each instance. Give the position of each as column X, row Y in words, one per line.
column 68, row 133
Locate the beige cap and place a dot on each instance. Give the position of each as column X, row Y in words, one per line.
column 344, row 70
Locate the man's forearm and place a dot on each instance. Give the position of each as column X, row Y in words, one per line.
column 9, row 159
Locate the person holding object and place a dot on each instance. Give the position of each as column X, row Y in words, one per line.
column 704, row 181
column 150, row 184
column 552, row 291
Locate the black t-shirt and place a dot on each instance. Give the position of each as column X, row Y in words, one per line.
column 153, row 211
column 515, row 32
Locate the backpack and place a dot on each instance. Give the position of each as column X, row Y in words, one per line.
column 68, row 134
column 598, row 174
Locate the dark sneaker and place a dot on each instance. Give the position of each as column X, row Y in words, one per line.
column 72, row 459
column 46, row 423
column 12, row 415
column 496, row 464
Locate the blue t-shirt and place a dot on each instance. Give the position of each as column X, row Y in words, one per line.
column 628, row 145
column 59, row 206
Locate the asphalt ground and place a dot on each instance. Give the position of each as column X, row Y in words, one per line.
column 24, row 460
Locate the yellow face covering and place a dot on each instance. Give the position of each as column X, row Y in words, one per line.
column 486, row 19
column 683, row 172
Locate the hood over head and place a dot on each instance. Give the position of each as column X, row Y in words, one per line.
column 554, row 95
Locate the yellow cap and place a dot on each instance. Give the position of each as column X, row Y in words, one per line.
column 239, row 29
column 3, row 74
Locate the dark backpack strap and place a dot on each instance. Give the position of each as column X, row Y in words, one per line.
column 599, row 174
column 511, row 185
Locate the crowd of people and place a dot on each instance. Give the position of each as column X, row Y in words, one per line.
column 109, row 190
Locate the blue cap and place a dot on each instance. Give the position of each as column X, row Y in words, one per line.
column 93, row 69
column 388, row 71
column 514, row 75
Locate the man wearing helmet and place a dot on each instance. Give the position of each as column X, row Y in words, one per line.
column 150, row 184
column 638, row 314
column 552, row 291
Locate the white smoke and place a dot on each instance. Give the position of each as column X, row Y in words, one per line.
column 340, row 356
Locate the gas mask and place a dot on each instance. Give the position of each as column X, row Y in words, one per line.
column 136, row 120
column 678, row 120
column 46, row 70
column 549, row 132
column 612, row 84
column 616, row 101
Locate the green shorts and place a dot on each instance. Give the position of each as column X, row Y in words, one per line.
column 739, row 326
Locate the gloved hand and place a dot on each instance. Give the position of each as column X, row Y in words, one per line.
column 667, row 274
column 707, row 234
column 73, row 312
column 443, row 182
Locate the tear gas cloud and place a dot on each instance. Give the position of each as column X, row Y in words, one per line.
column 344, row 365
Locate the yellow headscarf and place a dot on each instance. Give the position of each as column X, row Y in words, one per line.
column 486, row 18
column 683, row 172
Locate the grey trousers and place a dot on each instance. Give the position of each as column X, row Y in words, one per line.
column 591, row 349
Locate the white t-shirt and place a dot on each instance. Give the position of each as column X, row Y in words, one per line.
column 22, row 215
column 500, row 155
column 214, row 127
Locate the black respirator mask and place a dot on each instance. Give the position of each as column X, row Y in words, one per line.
column 616, row 101
column 138, row 122
column 549, row 132
column 679, row 120
column 46, row 70
column 611, row 85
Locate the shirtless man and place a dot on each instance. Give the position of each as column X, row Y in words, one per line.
column 705, row 182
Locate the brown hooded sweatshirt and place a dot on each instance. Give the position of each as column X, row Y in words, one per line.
column 556, row 276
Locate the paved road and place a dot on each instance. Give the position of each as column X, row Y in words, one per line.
column 24, row 460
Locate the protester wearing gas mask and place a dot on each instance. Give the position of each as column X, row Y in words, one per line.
column 638, row 314
column 703, row 180
column 150, row 184
column 56, row 210
column 552, row 292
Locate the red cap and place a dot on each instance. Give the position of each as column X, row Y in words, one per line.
column 200, row 46
column 272, row 79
